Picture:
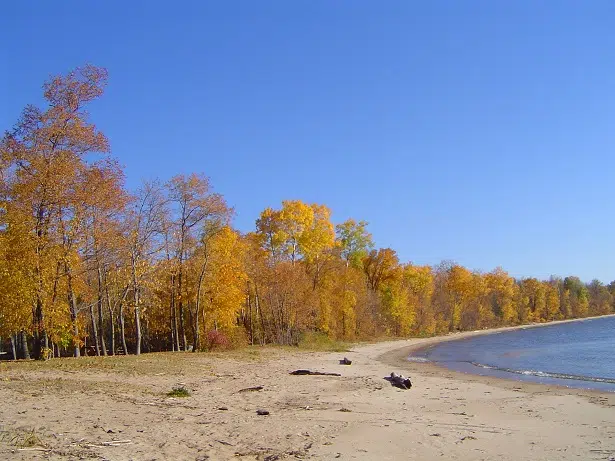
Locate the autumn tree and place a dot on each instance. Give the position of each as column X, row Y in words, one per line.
column 196, row 212
column 502, row 290
column 355, row 241
column 48, row 149
column 419, row 281
column 220, row 285
column 600, row 298
column 144, row 225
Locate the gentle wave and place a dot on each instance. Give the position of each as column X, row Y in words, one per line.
column 418, row 359
column 546, row 374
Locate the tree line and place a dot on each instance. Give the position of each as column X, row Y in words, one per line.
column 88, row 267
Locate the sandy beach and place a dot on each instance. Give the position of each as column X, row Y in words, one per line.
column 117, row 409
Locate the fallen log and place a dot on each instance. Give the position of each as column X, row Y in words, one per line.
column 399, row 381
column 312, row 373
column 345, row 361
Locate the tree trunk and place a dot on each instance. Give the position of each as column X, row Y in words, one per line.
column 38, row 328
column 194, row 324
column 182, row 331
column 72, row 303
column 122, row 329
column 138, row 331
column 94, row 330
column 111, row 318
column 259, row 312
column 45, row 345
column 101, row 319
column 137, row 326
column 111, row 329
column 25, row 353
column 176, row 326
column 135, row 290
column 172, row 324
column 13, row 348
column 173, row 314
column 250, row 314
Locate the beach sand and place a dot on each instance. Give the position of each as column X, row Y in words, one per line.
column 116, row 409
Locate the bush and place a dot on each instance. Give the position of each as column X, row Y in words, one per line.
column 215, row 340
column 218, row 340
column 179, row 391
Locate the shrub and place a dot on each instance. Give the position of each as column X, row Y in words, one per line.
column 215, row 340
column 179, row 391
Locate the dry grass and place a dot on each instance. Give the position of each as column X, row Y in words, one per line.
column 184, row 364
column 21, row 438
column 156, row 363
column 320, row 342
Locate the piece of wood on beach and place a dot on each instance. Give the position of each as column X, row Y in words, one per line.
column 399, row 381
column 345, row 361
column 251, row 389
column 312, row 373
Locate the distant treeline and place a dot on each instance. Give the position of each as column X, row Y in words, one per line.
column 87, row 266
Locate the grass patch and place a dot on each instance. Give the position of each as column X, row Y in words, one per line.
column 179, row 391
column 314, row 341
column 21, row 438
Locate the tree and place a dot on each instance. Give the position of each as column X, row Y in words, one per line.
column 578, row 296
column 220, row 285
column 380, row 266
column 600, row 298
column 104, row 201
column 144, row 225
column 47, row 150
column 355, row 241
column 502, row 293
column 458, row 291
column 17, row 287
column 195, row 207
column 419, row 281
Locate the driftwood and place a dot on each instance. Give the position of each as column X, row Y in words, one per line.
column 250, row 389
column 399, row 381
column 345, row 361
column 312, row 373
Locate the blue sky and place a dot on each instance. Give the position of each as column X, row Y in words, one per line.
column 476, row 131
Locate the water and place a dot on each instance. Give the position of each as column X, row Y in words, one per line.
column 577, row 354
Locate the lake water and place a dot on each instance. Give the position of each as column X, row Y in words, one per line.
column 578, row 354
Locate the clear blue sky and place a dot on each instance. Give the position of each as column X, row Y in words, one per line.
column 477, row 131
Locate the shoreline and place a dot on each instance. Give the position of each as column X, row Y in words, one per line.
column 399, row 358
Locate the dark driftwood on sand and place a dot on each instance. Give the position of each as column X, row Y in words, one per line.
column 399, row 381
column 250, row 389
column 345, row 361
column 313, row 373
